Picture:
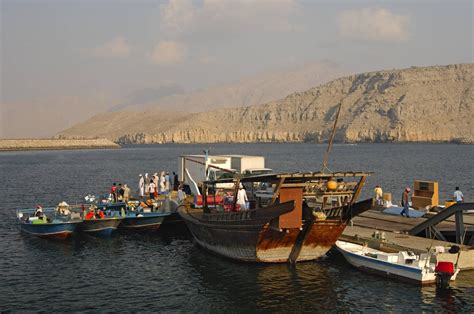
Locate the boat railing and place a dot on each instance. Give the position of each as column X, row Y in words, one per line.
column 230, row 216
column 334, row 212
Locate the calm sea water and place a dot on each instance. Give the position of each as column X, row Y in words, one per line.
column 166, row 271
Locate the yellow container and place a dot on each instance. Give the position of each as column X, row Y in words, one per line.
column 449, row 203
column 332, row 185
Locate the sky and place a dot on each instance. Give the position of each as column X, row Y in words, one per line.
column 103, row 50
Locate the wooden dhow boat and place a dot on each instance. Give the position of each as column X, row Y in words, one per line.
column 292, row 217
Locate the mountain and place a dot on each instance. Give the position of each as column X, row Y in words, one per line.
column 138, row 98
column 254, row 90
column 433, row 104
column 21, row 119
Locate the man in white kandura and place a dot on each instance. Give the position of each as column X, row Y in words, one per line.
column 242, row 197
column 141, row 186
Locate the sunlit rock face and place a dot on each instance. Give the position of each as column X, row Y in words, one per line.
column 429, row 104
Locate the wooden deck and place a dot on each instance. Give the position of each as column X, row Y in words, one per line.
column 396, row 239
column 377, row 220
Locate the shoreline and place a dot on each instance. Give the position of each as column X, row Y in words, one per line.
column 8, row 145
column 298, row 142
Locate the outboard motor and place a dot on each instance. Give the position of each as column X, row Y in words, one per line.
column 444, row 271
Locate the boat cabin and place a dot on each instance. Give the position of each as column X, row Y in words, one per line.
column 320, row 195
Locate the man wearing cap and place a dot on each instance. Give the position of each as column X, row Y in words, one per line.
column 405, row 199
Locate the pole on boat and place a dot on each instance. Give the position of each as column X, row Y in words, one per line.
column 331, row 139
column 206, row 158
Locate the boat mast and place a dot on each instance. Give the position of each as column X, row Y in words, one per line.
column 331, row 139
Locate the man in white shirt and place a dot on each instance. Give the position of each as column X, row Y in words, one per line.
column 151, row 190
column 458, row 196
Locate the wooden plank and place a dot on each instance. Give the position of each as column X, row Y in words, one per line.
column 447, row 224
column 358, row 189
column 292, row 219
column 277, row 190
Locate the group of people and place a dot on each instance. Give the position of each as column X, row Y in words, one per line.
column 120, row 193
column 157, row 184
column 94, row 213
column 458, row 197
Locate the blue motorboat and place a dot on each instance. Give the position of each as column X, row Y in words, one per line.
column 47, row 223
column 137, row 215
column 99, row 223
column 135, row 220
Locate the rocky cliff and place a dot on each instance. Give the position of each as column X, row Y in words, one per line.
column 432, row 104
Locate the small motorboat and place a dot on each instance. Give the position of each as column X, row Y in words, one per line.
column 143, row 220
column 404, row 265
column 48, row 222
column 98, row 222
column 138, row 215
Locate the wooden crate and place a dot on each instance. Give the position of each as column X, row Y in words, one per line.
column 425, row 193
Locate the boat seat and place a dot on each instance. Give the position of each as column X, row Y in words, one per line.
column 75, row 216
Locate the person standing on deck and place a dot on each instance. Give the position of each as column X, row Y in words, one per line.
column 242, row 198
column 175, row 182
column 113, row 191
column 167, row 182
column 147, row 182
column 126, row 193
column 378, row 195
column 458, row 196
column 141, row 186
column 405, row 200
column 120, row 192
column 162, row 181
column 154, row 179
column 155, row 182
column 151, row 190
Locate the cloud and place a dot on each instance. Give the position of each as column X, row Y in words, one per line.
column 183, row 16
column 373, row 24
column 114, row 49
column 168, row 53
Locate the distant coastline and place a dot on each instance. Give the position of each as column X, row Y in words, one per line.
column 55, row 144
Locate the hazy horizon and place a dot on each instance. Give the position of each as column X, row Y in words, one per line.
column 71, row 59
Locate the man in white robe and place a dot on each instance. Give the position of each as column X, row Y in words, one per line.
column 141, row 186
column 242, row 198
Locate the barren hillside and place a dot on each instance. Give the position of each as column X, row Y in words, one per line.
column 433, row 104
column 254, row 90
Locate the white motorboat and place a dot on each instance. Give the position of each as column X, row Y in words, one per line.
column 404, row 265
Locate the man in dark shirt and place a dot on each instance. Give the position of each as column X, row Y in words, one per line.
column 175, row 182
column 405, row 200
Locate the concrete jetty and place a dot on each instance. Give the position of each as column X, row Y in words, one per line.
column 396, row 230
column 53, row 144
